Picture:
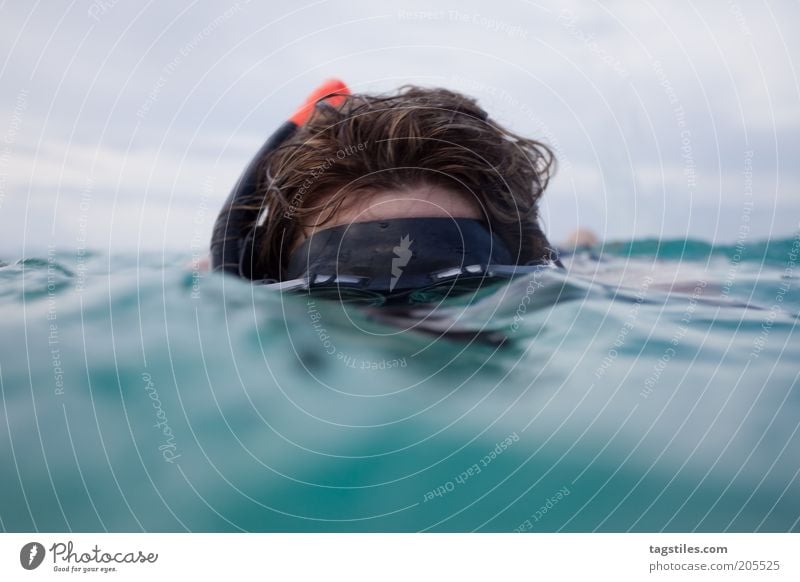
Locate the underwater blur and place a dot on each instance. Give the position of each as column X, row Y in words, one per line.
column 651, row 387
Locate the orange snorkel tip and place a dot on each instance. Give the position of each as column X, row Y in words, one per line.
column 333, row 91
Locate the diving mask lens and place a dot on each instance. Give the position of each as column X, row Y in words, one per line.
column 463, row 287
column 347, row 295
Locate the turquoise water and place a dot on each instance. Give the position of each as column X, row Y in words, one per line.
column 653, row 387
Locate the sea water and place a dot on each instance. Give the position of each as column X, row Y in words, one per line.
column 650, row 387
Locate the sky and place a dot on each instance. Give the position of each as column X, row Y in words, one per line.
column 124, row 125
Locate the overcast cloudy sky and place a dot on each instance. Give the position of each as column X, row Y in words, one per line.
column 124, row 124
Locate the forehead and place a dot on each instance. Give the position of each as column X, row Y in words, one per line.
column 428, row 201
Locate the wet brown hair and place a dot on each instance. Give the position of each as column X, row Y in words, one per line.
column 415, row 137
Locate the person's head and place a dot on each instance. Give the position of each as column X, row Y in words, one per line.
column 417, row 153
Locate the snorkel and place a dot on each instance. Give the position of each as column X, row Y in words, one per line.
column 233, row 229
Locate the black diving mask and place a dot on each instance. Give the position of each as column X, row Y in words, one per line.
column 401, row 261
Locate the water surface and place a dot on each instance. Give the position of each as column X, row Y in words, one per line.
column 652, row 387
